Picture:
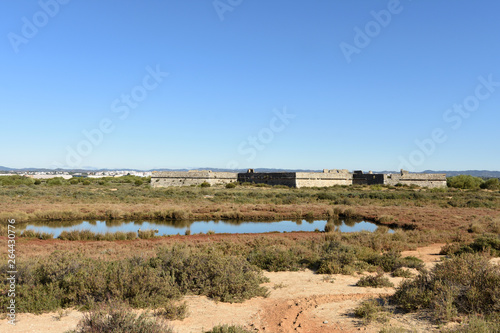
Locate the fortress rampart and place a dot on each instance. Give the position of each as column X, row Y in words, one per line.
column 296, row 179
column 193, row 177
column 430, row 180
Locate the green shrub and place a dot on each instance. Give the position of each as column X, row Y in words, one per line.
column 388, row 261
column 401, row 272
column 371, row 310
column 465, row 284
column 491, row 184
column 464, row 182
column 412, row 262
column 485, row 243
column 138, row 182
column 86, row 182
column 37, row 182
column 119, row 319
column 77, row 235
column 28, row 233
column 230, row 185
column 327, row 196
column 224, row 278
column 477, row 324
column 329, row 227
column 337, row 259
column 65, row 280
column 172, row 311
column 228, row 329
column 55, row 181
column 146, row 234
column 131, row 235
column 391, row 261
column 16, row 180
column 205, row 184
column 275, row 258
column 377, row 281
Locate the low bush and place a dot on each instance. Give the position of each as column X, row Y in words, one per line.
column 464, row 182
column 401, row 272
column 55, row 181
column 172, row 311
column 65, row 280
column 37, row 234
column 388, row 261
column 16, row 180
column 465, row 284
column 146, row 234
column 391, row 261
column 478, row 324
column 491, row 184
column 228, row 329
column 412, row 262
column 371, row 310
column 118, row 319
column 276, row 258
column 338, row 259
column 489, row 243
column 226, row 278
column 377, row 281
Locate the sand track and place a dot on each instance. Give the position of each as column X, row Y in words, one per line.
column 298, row 302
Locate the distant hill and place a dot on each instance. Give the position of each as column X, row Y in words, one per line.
column 475, row 173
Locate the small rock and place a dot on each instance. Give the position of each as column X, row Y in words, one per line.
column 325, row 322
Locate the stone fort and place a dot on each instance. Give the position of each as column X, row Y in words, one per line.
column 296, row 179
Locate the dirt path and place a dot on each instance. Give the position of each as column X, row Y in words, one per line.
column 298, row 302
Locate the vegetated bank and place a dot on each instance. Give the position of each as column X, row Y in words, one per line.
column 132, row 198
column 98, row 272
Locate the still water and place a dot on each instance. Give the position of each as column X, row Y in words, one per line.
column 180, row 227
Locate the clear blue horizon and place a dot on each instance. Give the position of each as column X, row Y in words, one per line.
column 371, row 85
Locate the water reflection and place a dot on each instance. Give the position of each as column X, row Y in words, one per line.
column 180, row 226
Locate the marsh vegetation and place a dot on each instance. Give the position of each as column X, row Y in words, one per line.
column 141, row 275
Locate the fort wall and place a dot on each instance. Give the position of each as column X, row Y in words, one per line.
column 324, row 179
column 189, row 178
column 296, row 179
column 431, row 180
column 360, row 178
column 269, row 178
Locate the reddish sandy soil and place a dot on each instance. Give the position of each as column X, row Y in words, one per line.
column 298, row 302
column 146, row 247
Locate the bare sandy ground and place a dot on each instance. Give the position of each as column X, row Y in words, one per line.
column 298, row 302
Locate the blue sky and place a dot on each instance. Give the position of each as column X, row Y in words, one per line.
column 372, row 85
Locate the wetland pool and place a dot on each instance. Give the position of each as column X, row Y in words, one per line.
column 196, row 227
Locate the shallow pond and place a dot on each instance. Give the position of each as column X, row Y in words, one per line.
column 195, row 227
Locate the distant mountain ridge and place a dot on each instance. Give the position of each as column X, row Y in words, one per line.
column 475, row 173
